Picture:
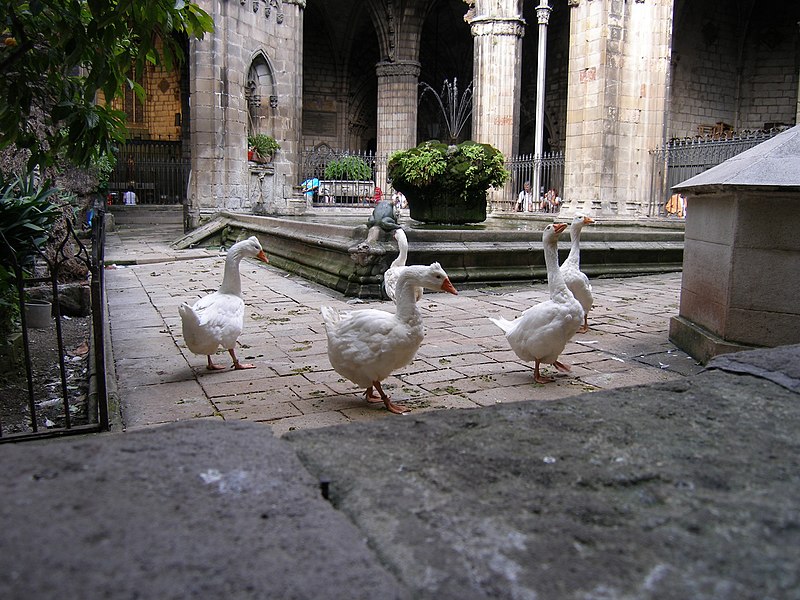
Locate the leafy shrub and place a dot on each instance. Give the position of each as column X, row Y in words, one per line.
column 348, row 168
column 28, row 213
column 468, row 167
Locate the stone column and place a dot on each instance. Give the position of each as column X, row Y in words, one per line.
column 617, row 103
column 397, row 110
column 497, row 73
column 543, row 17
column 210, row 104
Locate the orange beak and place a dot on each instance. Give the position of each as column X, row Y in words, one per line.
column 448, row 287
column 262, row 257
column 559, row 227
column 587, row 220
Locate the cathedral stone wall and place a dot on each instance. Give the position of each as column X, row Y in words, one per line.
column 742, row 73
column 622, row 76
column 222, row 178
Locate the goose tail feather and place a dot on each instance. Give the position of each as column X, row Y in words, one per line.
column 329, row 314
column 502, row 323
column 188, row 316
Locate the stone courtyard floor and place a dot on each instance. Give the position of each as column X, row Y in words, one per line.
column 464, row 362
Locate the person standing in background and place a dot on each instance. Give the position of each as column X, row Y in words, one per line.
column 129, row 197
column 525, row 198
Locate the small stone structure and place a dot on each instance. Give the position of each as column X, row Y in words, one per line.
column 741, row 266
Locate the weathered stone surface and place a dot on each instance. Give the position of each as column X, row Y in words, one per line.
column 685, row 489
column 194, row 510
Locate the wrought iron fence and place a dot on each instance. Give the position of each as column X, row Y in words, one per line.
column 680, row 159
column 522, row 169
column 62, row 389
column 322, row 191
column 155, row 171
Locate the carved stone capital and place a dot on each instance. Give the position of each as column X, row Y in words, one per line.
column 398, row 68
column 543, row 13
column 497, row 26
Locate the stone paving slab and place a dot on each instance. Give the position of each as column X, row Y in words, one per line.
column 464, row 362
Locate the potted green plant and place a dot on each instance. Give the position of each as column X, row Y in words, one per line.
column 261, row 147
column 447, row 183
column 348, row 168
column 348, row 176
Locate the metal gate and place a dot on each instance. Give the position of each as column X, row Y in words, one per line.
column 155, row 171
column 322, row 192
column 65, row 392
column 680, row 159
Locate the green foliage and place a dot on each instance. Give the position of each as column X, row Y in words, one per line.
column 27, row 215
column 104, row 166
column 57, row 55
column 9, row 303
column 263, row 144
column 467, row 168
column 348, row 168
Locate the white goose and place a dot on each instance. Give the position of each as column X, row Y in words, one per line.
column 366, row 346
column 576, row 280
column 218, row 319
column 393, row 272
column 542, row 331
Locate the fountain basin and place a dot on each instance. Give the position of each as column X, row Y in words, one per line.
column 329, row 248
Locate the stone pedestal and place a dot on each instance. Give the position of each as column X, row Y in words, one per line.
column 741, row 268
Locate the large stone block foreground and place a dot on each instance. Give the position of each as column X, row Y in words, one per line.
column 686, row 489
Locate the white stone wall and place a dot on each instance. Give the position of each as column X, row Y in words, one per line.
column 219, row 65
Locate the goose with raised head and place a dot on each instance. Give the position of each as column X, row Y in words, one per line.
column 576, row 280
column 366, row 346
column 393, row 272
column 217, row 320
column 542, row 331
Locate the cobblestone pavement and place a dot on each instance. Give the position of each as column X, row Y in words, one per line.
column 464, row 362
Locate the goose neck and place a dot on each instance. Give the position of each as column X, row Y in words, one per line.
column 575, row 247
column 231, row 279
column 406, row 299
column 554, row 277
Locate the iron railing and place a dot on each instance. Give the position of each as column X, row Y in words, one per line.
column 324, row 192
column 77, row 395
column 155, row 171
column 680, row 159
column 522, row 169
column 673, row 163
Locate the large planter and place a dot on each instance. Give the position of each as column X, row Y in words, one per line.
column 430, row 206
column 346, row 191
column 447, row 183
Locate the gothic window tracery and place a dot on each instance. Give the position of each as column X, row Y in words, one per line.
column 259, row 93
